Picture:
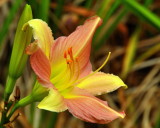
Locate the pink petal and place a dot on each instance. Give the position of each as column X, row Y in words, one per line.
column 89, row 108
column 79, row 41
column 41, row 66
column 86, row 70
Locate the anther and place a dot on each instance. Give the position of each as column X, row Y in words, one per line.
column 65, row 54
column 69, row 61
column 70, row 52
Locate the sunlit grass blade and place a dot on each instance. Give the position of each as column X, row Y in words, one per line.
column 142, row 12
column 107, row 31
column 104, row 7
column 130, row 53
column 9, row 19
column 151, row 51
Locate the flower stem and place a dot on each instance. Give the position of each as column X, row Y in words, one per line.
column 23, row 102
column 9, row 88
column 35, row 96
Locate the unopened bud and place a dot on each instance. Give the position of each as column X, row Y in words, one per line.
column 21, row 41
column 19, row 58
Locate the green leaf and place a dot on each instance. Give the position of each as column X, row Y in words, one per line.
column 130, row 53
column 9, row 19
column 106, row 31
column 97, row 40
column 142, row 12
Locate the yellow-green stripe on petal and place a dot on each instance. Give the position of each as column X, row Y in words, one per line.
column 100, row 83
column 53, row 102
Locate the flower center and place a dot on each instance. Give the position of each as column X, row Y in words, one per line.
column 72, row 64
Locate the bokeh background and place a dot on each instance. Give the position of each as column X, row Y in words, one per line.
column 130, row 31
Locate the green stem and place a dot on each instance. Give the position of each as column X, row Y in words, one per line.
column 37, row 94
column 53, row 120
column 3, row 119
column 23, row 102
column 9, row 88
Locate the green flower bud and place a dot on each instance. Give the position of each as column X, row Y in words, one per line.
column 19, row 58
column 21, row 41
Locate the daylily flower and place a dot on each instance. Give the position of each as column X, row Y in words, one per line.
column 63, row 66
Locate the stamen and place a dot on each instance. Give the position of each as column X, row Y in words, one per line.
column 73, row 66
column 104, row 63
column 70, row 53
column 70, row 50
column 69, row 61
column 65, row 54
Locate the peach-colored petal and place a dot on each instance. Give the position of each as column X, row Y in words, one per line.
column 53, row 102
column 32, row 48
column 100, row 83
column 86, row 70
column 79, row 41
column 41, row 66
column 89, row 108
column 42, row 34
